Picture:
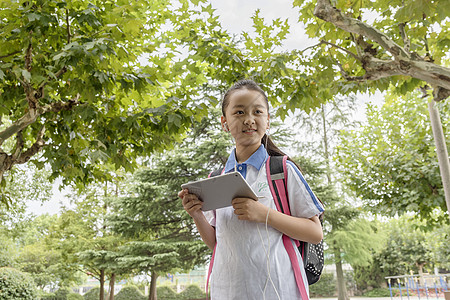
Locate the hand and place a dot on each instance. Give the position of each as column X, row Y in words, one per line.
column 250, row 210
column 191, row 203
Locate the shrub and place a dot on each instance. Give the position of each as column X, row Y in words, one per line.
column 15, row 284
column 325, row 287
column 378, row 292
column 74, row 296
column 192, row 292
column 46, row 296
column 130, row 292
column 93, row 294
column 166, row 293
column 62, row 293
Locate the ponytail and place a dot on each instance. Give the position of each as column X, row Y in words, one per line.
column 273, row 150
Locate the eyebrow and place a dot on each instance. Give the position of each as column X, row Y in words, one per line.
column 243, row 106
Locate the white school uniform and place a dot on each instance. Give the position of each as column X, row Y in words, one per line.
column 240, row 269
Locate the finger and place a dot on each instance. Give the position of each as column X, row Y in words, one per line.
column 238, row 200
column 189, row 197
column 183, row 192
column 192, row 204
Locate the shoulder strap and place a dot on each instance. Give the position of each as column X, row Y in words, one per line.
column 216, row 172
column 277, row 179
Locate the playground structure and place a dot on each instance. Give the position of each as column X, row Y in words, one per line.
column 429, row 286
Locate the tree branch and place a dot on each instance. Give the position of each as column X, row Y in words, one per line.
column 325, row 11
column 28, row 57
column 31, row 115
column 406, row 41
column 11, row 54
column 69, row 36
column 19, row 146
column 439, row 93
column 404, row 62
column 342, row 49
column 313, row 46
column 35, row 148
column 28, row 118
column 59, row 73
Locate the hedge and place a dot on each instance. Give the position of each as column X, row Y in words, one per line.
column 192, row 292
column 93, row 294
column 130, row 292
column 15, row 284
column 166, row 293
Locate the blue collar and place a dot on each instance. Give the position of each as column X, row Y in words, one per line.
column 257, row 159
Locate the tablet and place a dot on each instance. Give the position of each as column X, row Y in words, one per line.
column 217, row 192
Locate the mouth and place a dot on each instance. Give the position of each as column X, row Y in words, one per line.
column 249, row 130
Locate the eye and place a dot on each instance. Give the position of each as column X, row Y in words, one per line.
column 239, row 112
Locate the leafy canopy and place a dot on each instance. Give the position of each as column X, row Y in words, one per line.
column 390, row 163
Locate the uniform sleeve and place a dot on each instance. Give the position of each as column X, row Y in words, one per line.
column 302, row 201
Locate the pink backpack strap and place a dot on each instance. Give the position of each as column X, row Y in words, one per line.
column 280, row 196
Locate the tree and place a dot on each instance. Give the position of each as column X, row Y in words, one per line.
column 38, row 255
column 405, row 46
column 408, row 245
column 8, row 251
column 163, row 235
column 84, row 237
column 76, row 90
column 407, row 248
column 349, row 238
column 390, row 163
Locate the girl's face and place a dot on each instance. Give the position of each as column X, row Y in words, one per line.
column 246, row 117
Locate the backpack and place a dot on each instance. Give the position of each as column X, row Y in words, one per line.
column 312, row 254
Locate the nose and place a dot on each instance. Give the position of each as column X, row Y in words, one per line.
column 249, row 120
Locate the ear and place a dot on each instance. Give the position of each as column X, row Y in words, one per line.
column 223, row 120
column 268, row 122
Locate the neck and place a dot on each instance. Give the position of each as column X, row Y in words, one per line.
column 244, row 153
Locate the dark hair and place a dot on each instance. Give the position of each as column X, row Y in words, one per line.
column 248, row 84
column 271, row 148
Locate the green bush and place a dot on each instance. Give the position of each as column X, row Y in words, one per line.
column 130, row 292
column 192, row 292
column 46, row 296
column 74, row 296
column 62, row 293
column 15, row 284
column 325, row 287
column 378, row 292
column 166, row 293
column 93, row 294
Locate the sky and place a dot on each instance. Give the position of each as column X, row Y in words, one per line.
column 235, row 16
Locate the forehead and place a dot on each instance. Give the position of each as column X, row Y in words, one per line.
column 247, row 98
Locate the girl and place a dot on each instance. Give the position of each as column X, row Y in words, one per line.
column 248, row 264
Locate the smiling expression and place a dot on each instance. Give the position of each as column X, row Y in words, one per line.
column 246, row 117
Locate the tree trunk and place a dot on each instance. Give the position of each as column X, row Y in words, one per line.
column 111, row 286
column 342, row 289
column 102, row 284
column 325, row 145
column 152, row 294
column 421, row 278
column 441, row 150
